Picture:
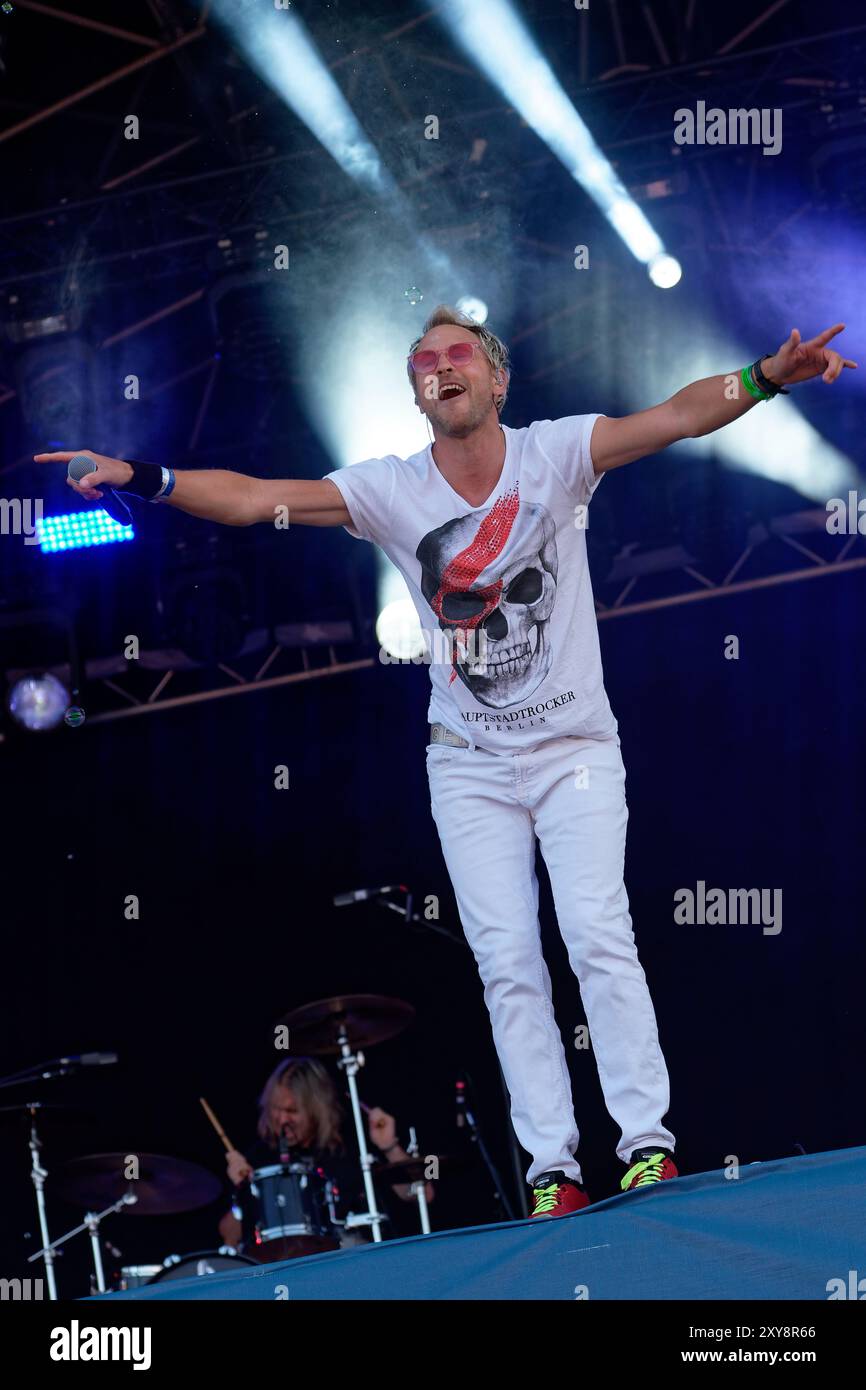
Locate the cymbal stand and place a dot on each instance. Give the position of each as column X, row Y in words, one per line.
column 351, row 1062
column 90, row 1223
column 419, row 1188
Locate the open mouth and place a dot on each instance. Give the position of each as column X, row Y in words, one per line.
column 451, row 390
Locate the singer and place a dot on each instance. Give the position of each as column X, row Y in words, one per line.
column 487, row 526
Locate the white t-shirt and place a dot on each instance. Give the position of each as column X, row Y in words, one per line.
column 503, row 589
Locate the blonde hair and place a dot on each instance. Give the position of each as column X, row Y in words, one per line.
column 315, row 1092
column 493, row 348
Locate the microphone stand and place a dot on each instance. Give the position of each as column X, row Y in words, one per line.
column 38, row 1174
column 478, row 1139
column 514, row 1148
column 46, row 1071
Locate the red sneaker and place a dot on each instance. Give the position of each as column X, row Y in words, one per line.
column 556, row 1195
column 649, row 1166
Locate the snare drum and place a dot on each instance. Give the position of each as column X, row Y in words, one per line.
column 133, row 1276
column 200, row 1262
column 292, row 1216
column 178, row 1267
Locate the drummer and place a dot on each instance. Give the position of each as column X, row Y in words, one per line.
column 300, row 1102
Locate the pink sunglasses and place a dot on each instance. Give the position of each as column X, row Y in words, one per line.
column 458, row 354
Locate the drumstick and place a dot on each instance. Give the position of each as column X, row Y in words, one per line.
column 216, row 1124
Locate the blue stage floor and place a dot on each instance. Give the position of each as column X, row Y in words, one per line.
column 784, row 1229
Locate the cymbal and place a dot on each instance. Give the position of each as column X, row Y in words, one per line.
column 414, row 1169
column 164, row 1185
column 368, row 1019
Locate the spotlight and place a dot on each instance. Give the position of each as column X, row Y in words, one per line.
column 475, row 308
column 284, row 54
column 497, row 40
column 665, row 271
column 399, row 631
column 38, row 702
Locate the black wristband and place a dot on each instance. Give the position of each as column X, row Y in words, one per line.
column 146, row 480
column 764, row 382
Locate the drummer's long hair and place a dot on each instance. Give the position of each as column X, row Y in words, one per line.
column 312, row 1087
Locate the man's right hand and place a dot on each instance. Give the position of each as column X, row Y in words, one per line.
column 239, row 1170
column 109, row 472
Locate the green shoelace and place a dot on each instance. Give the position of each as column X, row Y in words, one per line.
column 650, row 1170
column 545, row 1198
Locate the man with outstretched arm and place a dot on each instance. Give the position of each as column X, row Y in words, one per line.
column 487, row 525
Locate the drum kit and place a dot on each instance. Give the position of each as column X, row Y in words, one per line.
column 293, row 1202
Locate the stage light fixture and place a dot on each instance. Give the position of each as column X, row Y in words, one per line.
column 78, row 530
column 665, row 271
column 474, row 308
column 398, row 630
column 38, row 702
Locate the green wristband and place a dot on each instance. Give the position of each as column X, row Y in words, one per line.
column 753, row 390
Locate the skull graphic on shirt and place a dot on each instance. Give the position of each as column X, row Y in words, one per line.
column 492, row 574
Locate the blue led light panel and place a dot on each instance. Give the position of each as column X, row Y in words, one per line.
column 76, row 530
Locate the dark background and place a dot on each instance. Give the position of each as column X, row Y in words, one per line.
column 745, row 773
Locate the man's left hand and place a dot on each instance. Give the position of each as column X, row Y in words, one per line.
column 797, row 361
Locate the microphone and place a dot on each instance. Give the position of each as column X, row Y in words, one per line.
column 88, row 1059
column 283, row 1146
column 460, row 1102
column 79, row 466
column 360, row 895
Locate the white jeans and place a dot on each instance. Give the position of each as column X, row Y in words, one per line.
column 488, row 809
